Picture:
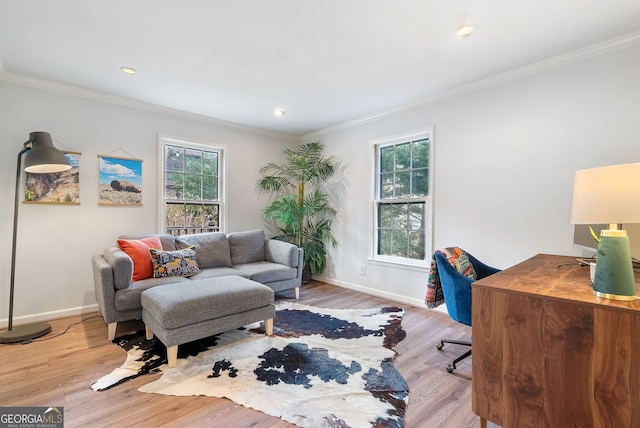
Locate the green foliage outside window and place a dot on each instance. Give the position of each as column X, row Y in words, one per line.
column 192, row 190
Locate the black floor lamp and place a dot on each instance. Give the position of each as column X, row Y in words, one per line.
column 42, row 157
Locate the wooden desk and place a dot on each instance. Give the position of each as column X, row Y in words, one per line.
column 548, row 353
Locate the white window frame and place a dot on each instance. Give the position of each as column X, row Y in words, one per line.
column 375, row 146
column 164, row 140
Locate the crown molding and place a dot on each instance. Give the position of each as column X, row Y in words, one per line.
column 65, row 89
column 612, row 45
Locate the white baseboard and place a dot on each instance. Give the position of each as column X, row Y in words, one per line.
column 383, row 294
column 48, row 316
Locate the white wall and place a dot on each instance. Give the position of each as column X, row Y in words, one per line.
column 505, row 157
column 55, row 242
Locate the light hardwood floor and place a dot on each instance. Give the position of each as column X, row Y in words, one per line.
column 57, row 371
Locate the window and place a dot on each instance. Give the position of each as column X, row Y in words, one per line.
column 402, row 214
column 191, row 187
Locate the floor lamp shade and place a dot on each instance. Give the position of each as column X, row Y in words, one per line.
column 41, row 157
column 610, row 195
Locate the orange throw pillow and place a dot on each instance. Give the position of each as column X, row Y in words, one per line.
column 138, row 250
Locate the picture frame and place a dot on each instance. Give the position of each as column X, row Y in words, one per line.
column 62, row 188
column 120, row 181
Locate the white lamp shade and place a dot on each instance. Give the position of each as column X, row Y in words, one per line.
column 607, row 195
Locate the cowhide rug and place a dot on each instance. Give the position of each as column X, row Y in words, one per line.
column 321, row 367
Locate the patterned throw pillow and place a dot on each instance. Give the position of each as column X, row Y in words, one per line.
column 174, row 263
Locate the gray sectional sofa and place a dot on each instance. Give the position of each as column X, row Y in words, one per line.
column 248, row 254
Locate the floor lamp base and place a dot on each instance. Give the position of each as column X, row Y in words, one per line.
column 23, row 333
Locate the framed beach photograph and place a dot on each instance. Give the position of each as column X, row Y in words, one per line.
column 55, row 188
column 120, row 181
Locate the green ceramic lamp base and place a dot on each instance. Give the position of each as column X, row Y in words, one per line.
column 614, row 270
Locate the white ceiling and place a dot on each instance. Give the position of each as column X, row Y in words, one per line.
column 324, row 62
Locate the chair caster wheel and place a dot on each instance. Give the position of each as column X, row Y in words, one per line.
column 439, row 346
column 450, row 368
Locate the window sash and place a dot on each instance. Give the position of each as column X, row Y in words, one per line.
column 400, row 230
column 182, row 218
column 191, row 174
column 403, row 169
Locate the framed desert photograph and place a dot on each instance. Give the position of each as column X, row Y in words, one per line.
column 120, row 181
column 55, row 188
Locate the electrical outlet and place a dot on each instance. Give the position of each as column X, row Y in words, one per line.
column 363, row 270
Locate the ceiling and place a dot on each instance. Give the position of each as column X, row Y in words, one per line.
column 324, row 62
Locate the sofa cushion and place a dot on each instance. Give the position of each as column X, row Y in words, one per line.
column 174, row 263
column 217, row 273
column 138, row 250
column 212, row 248
column 266, row 272
column 247, row 247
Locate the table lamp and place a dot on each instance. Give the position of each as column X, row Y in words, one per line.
column 42, row 157
column 610, row 195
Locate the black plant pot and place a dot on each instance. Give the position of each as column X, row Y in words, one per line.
column 306, row 273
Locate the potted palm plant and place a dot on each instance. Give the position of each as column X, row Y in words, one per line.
column 302, row 212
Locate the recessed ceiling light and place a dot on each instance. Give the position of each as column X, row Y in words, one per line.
column 465, row 29
column 279, row 113
column 128, row 70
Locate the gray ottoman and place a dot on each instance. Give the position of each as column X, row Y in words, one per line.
column 184, row 312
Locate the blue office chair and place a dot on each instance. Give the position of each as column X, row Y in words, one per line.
column 456, row 288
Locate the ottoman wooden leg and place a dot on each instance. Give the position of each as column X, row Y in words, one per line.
column 148, row 333
column 172, row 356
column 268, row 326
